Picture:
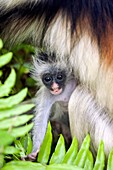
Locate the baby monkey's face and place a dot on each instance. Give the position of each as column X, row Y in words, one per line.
column 52, row 73
column 54, row 80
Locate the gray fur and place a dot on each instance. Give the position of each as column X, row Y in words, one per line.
column 45, row 101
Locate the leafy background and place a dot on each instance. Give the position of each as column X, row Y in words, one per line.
column 15, row 123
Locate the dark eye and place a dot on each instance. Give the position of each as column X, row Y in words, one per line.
column 47, row 79
column 60, row 77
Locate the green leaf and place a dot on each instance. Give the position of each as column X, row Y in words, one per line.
column 8, row 84
column 10, row 150
column 29, row 144
column 89, row 162
column 58, row 156
column 17, row 132
column 24, row 141
column 1, row 44
column 62, row 167
column 82, row 154
column 71, row 153
column 19, row 146
column 5, row 138
column 15, row 110
column 1, row 73
column 13, row 100
column 23, row 165
column 1, row 161
column 45, row 149
column 6, row 58
column 110, row 161
column 15, row 121
column 100, row 159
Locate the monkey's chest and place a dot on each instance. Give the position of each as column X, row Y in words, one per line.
column 64, row 105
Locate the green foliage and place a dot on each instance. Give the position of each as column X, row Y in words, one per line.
column 100, row 159
column 71, row 154
column 110, row 161
column 22, row 64
column 6, row 58
column 60, row 159
column 8, row 84
column 19, row 165
column 11, row 110
column 89, row 161
column 45, row 149
column 83, row 152
column 59, row 151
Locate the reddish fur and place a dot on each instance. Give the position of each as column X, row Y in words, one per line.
column 107, row 46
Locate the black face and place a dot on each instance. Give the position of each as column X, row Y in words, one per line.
column 58, row 77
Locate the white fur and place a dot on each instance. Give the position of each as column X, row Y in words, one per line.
column 58, row 37
column 10, row 3
column 86, row 116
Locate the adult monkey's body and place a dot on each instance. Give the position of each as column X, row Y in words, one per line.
column 81, row 32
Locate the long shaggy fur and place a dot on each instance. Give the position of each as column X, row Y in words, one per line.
column 78, row 31
column 46, row 62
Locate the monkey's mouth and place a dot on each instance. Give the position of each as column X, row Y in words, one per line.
column 56, row 91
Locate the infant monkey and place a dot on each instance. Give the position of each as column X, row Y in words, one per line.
column 57, row 85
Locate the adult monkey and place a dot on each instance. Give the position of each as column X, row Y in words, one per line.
column 81, row 32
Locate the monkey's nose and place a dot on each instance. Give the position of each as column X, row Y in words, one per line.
column 54, row 86
column 55, row 89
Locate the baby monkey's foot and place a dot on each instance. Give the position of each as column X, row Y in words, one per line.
column 31, row 157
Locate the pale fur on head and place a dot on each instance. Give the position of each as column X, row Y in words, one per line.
column 41, row 67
